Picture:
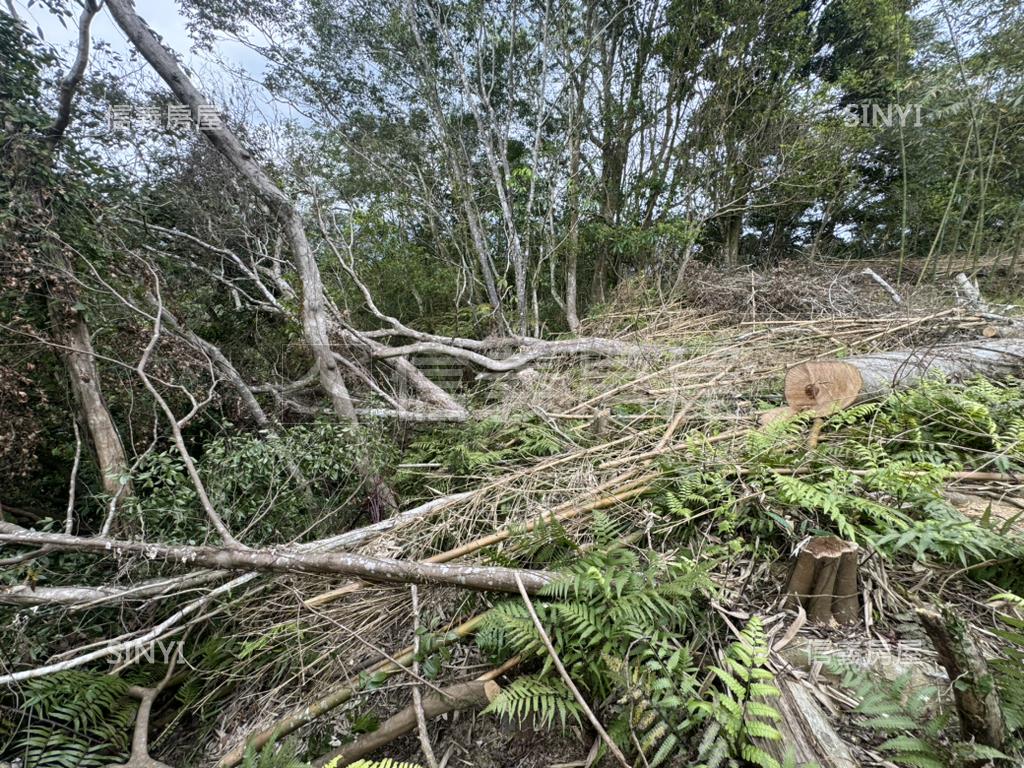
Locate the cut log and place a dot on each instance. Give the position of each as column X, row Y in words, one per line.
column 824, row 580
column 822, row 386
column 476, row 693
column 974, row 689
column 827, row 386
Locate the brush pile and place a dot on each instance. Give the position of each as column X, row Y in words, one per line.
column 677, row 505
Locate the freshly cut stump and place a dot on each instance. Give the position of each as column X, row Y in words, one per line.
column 823, row 386
column 824, row 580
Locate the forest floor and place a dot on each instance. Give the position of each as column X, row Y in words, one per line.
column 670, row 456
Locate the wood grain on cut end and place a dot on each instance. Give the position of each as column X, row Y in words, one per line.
column 822, row 386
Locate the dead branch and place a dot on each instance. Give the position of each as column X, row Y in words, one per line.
column 139, row 757
column 175, row 424
column 893, row 293
column 481, row 578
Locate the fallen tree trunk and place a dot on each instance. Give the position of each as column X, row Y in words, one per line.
column 86, row 596
column 974, row 690
column 480, row 578
column 471, row 695
column 808, row 736
column 829, row 385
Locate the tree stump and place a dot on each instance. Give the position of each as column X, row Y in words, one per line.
column 824, row 580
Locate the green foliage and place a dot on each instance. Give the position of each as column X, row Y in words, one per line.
column 739, row 711
column 619, row 622
column 1008, row 668
column 385, row 763
column 71, row 719
column 903, row 449
column 272, row 483
column 273, row 755
column 914, row 734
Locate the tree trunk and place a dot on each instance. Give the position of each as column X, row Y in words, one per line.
column 824, row 386
column 314, row 319
column 733, row 228
column 72, row 333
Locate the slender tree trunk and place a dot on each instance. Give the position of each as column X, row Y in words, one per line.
column 572, row 257
column 72, row 334
column 733, row 227
column 314, row 318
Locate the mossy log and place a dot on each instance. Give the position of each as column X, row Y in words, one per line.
column 974, row 688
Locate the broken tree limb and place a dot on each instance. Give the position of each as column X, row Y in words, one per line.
column 824, row 580
column 974, row 689
column 470, row 695
column 893, row 293
column 483, row 578
column 824, row 386
column 81, row 597
column 532, row 350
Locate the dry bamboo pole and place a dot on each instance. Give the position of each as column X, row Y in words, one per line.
column 309, row 712
column 468, row 695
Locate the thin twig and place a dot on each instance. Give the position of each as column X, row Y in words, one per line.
column 417, row 699
column 69, row 521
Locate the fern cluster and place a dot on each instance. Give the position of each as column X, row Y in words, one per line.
column 912, row 734
column 71, row 719
column 624, row 626
column 621, row 624
column 903, row 449
column 739, row 712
